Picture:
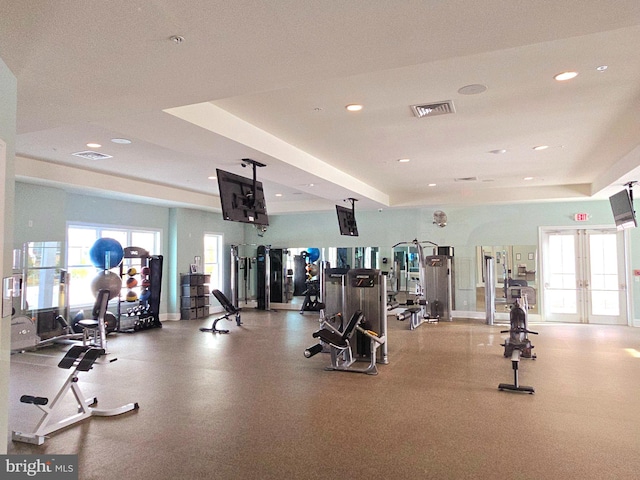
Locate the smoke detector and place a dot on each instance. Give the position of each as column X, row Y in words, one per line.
column 433, row 109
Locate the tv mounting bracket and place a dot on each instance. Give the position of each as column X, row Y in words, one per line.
column 254, row 164
column 353, row 204
column 629, row 186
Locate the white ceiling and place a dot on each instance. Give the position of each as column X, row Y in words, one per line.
column 270, row 80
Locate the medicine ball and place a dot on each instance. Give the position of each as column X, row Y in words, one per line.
column 110, row 322
column 131, row 271
column 131, row 296
column 132, row 282
column 74, row 323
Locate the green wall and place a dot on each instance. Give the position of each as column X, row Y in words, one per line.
column 42, row 214
column 467, row 228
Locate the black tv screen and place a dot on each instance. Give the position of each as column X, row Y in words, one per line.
column 622, row 209
column 239, row 201
column 347, row 221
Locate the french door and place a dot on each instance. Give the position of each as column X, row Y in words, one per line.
column 584, row 276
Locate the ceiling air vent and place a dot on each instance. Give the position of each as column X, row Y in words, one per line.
column 89, row 155
column 466, row 179
column 432, row 109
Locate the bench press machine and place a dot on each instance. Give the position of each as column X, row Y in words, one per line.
column 81, row 358
column 340, row 344
column 229, row 309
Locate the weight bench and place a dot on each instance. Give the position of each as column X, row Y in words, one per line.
column 229, row 309
column 340, row 345
column 82, row 357
column 417, row 315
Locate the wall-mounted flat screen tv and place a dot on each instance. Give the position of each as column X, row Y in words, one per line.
column 347, row 221
column 240, row 201
column 622, row 208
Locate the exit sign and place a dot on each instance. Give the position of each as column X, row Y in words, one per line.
column 581, row 217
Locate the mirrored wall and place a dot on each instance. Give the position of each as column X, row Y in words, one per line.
column 515, row 267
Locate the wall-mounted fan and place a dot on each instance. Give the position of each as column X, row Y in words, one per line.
column 440, row 218
column 262, row 229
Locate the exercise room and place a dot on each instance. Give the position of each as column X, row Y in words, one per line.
column 287, row 242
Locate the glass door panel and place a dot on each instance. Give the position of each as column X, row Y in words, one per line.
column 584, row 278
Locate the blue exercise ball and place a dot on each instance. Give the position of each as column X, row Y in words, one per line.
column 106, row 253
column 314, row 254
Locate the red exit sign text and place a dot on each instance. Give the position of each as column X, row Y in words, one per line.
column 581, row 217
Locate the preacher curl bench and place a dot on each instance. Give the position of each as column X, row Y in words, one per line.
column 342, row 357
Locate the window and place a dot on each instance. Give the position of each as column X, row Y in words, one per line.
column 213, row 259
column 80, row 239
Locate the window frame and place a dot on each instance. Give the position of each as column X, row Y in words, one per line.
column 98, row 228
column 216, row 281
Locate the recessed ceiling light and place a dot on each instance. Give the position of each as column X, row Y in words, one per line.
column 561, row 77
column 498, row 151
column 212, row 177
column 278, row 194
column 431, row 185
column 121, row 141
column 404, row 160
column 474, row 89
column 540, row 147
column 354, row 107
column 311, row 184
column 528, row 178
column 93, row 145
column 601, row 68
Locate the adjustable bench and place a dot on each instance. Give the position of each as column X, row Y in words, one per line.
column 229, row 309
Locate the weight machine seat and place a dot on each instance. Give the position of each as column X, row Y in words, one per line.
column 340, row 340
column 91, row 334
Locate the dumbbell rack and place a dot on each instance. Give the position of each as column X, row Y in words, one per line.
column 135, row 312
